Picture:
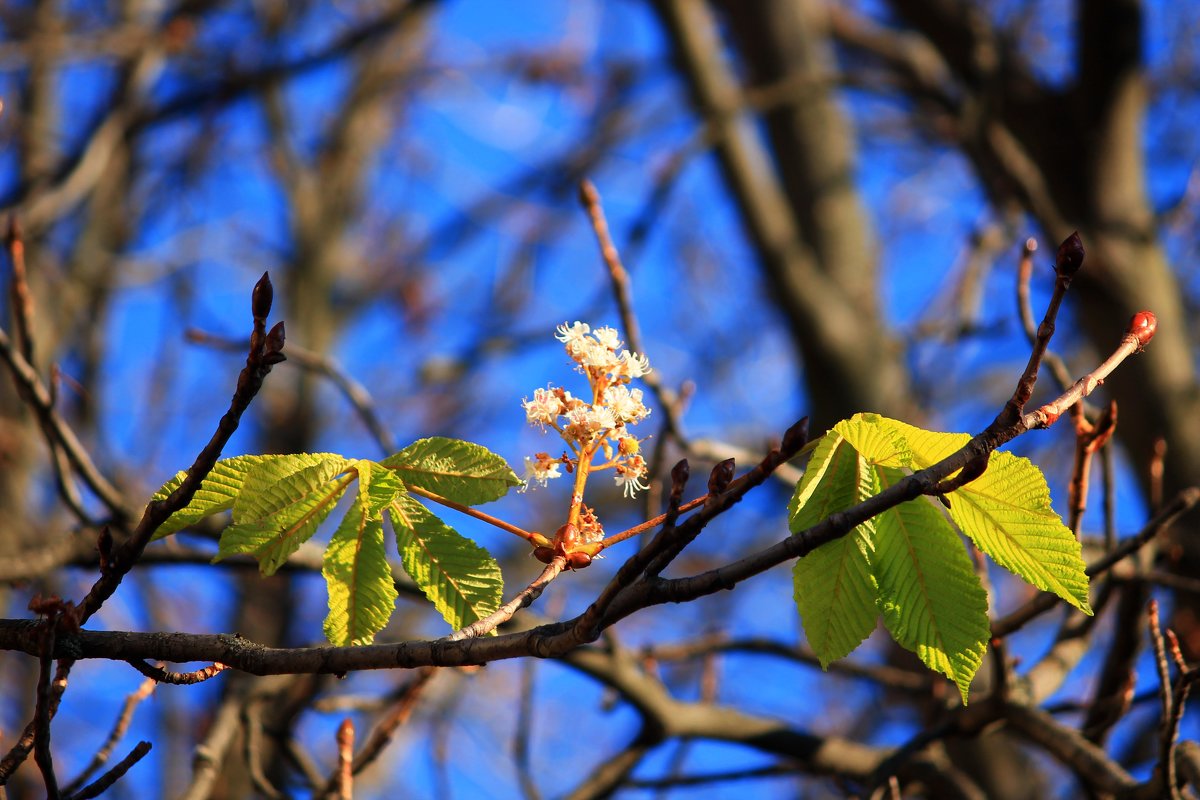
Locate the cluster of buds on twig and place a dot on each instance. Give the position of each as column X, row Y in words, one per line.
column 596, row 430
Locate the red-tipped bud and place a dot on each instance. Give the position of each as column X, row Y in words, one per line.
column 264, row 295
column 1070, row 255
column 1142, row 326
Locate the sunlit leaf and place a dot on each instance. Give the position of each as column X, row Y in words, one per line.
column 358, row 577
column 1006, row 512
column 219, row 489
column 461, row 471
column 459, row 577
column 930, row 596
column 833, row 586
column 286, row 513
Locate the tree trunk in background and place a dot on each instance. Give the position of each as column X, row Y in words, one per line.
column 798, row 201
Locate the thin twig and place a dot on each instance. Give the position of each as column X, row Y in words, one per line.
column 22, row 298
column 345, row 752
column 1025, row 310
column 523, row 731
column 160, row 674
column 265, row 351
column 132, row 701
column 590, row 198
column 44, row 712
column 505, row 612
column 1172, row 711
column 105, row 781
column 385, row 731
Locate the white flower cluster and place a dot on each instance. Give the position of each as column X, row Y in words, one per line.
column 597, row 426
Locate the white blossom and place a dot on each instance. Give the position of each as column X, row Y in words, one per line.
column 608, row 337
column 567, row 334
column 633, row 365
column 544, row 408
column 626, row 404
column 629, row 476
column 541, row 469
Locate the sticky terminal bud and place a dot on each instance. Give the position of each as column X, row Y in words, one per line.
column 1142, row 327
column 721, row 475
column 680, row 472
column 263, row 296
column 796, row 436
column 1070, row 256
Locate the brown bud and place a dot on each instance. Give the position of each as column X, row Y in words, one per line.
column 544, row 554
column 1070, row 255
column 796, row 436
column 263, row 296
column 1142, row 326
column 680, row 472
column 721, row 476
column 566, row 536
column 578, row 560
column 273, row 346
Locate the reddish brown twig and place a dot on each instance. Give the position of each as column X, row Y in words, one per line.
column 1025, row 310
column 381, row 735
column 623, row 294
column 1138, row 335
column 159, row 674
column 1070, row 256
column 1171, row 702
column 345, row 751
column 1089, row 438
column 22, row 299
column 266, row 350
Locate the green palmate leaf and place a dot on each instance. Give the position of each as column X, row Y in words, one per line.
column 265, row 489
column 362, row 594
column 1006, row 512
column 930, row 596
column 833, row 585
column 879, row 442
column 285, row 512
column 458, row 576
column 909, row 560
column 461, row 471
column 217, row 492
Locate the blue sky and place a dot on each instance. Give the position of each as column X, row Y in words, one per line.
column 469, row 134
